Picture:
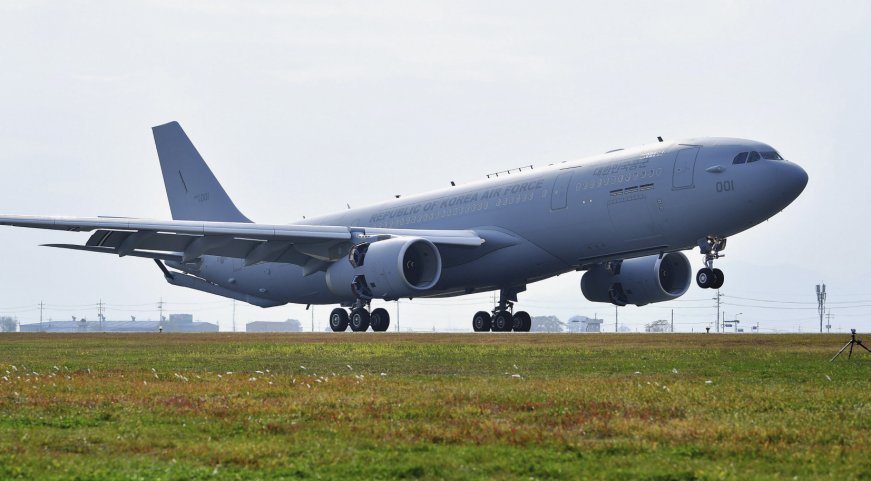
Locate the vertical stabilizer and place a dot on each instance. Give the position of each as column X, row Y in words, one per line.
column 192, row 189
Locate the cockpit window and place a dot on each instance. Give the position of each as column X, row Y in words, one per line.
column 771, row 155
column 754, row 156
column 740, row 158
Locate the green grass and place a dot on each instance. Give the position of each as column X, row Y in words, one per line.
column 432, row 406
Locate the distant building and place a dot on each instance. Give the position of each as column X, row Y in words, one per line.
column 181, row 318
column 176, row 323
column 584, row 324
column 290, row 325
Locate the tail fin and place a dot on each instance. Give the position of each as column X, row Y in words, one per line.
column 192, row 189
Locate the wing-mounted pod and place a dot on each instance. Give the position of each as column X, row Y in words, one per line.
column 386, row 269
column 638, row 281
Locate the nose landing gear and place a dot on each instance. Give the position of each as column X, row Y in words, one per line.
column 708, row 277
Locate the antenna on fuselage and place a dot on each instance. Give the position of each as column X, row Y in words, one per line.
column 659, row 138
column 453, row 184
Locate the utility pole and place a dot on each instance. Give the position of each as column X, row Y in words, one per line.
column 100, row 313
column 821, row 302
column 160, row 309
column 718, row 308
column 829, row 322
column 41, row 307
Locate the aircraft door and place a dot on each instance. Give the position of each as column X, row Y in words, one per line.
column 684, row 167
column 559, row 196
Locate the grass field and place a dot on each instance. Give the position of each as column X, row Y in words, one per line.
column 432, row 406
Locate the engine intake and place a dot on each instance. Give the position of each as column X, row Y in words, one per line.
column 638, row 281
column 387, row 269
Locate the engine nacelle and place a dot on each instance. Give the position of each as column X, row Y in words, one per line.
column 387, row 269
column 639, row 281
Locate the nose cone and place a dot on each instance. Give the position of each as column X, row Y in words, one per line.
column 791, row 181
column 795, row 180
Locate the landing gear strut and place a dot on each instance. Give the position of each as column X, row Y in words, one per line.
column 708, row 277
column 503, row 318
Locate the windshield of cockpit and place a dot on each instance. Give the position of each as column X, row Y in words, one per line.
column 748, row 157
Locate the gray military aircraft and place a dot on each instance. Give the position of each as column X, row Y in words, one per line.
column 623, row 217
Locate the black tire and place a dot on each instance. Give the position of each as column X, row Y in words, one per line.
column 481, row 322
column 379, row 319
column 705, row 278
column 522, row 322
column 359, row 321
column 719, row 279
column 502, row 321
column 339, row 320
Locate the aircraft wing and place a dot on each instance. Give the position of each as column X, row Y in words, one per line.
column 310, row 246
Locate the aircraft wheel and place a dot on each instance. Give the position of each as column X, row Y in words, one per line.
column 481, row 322
column 719, row 279
column 359, row 321
column 379, row 319
column 522, row 322
column 339, row 320
column 502, row 321
column 705, row 278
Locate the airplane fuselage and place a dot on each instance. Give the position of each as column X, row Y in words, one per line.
column 545, row 221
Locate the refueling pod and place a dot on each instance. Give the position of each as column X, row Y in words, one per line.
column 638, row 281
column 387, row 269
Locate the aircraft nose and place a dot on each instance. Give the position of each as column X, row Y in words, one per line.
column 789, row 183
column 794, row 180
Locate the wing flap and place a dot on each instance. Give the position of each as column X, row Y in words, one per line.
column 107, row 250
column 237, row 229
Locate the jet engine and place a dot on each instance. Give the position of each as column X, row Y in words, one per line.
column 638, row 281
column 387, row 269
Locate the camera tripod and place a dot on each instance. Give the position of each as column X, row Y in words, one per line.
column 850, row 344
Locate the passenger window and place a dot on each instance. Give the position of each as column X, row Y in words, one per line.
column 771, row 155
column 754, row 156
column 740, row 158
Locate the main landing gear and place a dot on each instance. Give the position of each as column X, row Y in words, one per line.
column 503, row 318
column 708, row 277
column 360, row 319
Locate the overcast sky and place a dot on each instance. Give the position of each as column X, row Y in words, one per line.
column 302, row 107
